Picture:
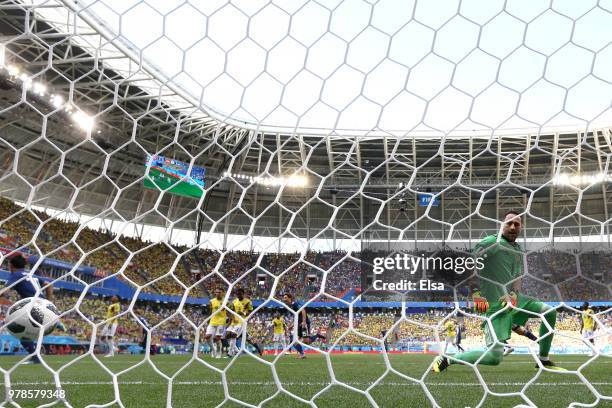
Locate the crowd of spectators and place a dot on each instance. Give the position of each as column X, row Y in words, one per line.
column 171, row 270
column 367, row 327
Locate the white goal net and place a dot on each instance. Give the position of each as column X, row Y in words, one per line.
column 158, row 157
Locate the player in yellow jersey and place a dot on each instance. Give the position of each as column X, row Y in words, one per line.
column 450, row 330
column 216, row 325
column 587, row 325
column 278, row 331
column 109, row 329
column 242, row 307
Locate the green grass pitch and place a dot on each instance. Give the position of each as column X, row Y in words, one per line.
column 252, row 381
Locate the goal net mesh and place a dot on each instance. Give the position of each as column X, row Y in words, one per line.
column 160, row 151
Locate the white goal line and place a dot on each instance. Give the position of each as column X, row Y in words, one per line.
column 312, row 383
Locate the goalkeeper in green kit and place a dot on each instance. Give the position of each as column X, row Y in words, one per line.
column 500, row 284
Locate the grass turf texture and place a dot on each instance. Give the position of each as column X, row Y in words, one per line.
column 252, row 381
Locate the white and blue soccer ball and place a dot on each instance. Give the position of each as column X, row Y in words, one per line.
column 27, row 317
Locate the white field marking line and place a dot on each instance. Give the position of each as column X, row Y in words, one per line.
column 162, row 363
column 519, row 362
column 307, row 383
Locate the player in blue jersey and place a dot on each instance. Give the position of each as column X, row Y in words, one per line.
column 22, row 282
column 145, row 334
column 303, row 329
column 459, row 337
column 26, row 286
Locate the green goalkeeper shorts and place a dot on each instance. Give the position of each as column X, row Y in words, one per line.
column 502, row 322
column 528, row 304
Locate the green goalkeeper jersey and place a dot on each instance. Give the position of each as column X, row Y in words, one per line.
column 503, row 262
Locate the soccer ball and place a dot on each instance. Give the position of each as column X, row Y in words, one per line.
column 28, row 316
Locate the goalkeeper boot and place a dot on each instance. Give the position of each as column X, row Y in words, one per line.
column 440, row 364
column 550, row 365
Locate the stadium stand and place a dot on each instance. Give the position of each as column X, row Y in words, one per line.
column 152, row 261
column 368, row 324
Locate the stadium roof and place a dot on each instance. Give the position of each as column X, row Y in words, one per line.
column 136, row 113
column 351, row 68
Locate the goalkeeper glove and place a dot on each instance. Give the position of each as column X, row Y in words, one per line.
column 481, row 305
column 511, row 297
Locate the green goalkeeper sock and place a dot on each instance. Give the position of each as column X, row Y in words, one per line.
column 546, row 342
column 492, row 357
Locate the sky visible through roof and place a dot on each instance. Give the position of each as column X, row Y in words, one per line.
column 391, row 65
